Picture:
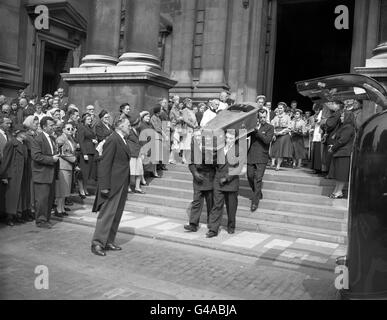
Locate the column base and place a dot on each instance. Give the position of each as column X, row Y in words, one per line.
column 109, row 87
column 139, row 59
column 199, row 92
column 97, row 60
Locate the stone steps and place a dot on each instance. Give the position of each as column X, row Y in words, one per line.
column 266, row 221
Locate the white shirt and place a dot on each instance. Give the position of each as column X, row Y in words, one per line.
column 4, row 135
column 49, row 141
column 122, row 137
column 222, row 106
column 208, row 115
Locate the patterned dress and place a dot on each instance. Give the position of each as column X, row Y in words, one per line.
column 298, row 131
column 282, row 146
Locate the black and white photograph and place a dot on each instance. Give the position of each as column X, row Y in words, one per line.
column 193, row 155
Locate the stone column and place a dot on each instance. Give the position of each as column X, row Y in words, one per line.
column 103, row 33
column 214, row 45
column 142, row 25
column 10, row 76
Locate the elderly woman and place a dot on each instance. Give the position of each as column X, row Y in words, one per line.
column 87, row 142
column 298, row 131
column 31, row 123
column 66, row 146
column 147, row 133
column 103, row 128
column 341, row 150
column 282, row 146
column 189, row 124
column 14, row 175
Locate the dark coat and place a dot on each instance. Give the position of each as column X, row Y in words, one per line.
column 134, row 143
column 102, row 132
column 28, row 111
column 44, row 168
column 198, row 164
column 260, row 144
column 343, row 141
column 113, row 168
column 223, row 171
column 331, row 125
column 85, row 137
column 15, row 168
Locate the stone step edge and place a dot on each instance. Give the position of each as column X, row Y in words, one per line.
column 154, row 210
column 197, row 243
column 312, row 206
column 287, row 193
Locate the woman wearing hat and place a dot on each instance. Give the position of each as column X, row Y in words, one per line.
column 298, row 131
column 87, row 142
column 282, row 146
column 136, row 166
column 14, row 175
column 146, row 129
column 103, row 128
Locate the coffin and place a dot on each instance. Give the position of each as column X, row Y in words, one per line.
column 235, row 117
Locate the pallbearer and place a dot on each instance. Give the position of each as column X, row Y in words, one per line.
column 203, row 172
column 226, row 186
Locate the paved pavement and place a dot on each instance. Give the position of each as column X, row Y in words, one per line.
column 147, row 268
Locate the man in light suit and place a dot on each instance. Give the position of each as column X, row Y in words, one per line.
column 45, row 167
column 258, row 156
column 113, row 182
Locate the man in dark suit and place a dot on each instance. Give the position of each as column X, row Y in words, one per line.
column 226, row 186
column 203, row 173
column 112, row 190
column 5, row 126
column 45, row 168
column 258, row 156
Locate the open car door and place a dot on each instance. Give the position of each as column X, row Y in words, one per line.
column 343, row 87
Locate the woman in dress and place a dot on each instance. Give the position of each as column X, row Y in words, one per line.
column 147, row 132
column 341, row 151
column 316, row 141
column 189, row 124
column 67, row 160
column 87, row 142
column 176, row 118
column 298, row 131
column 282, row 146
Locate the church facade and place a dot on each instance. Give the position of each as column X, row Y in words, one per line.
column 193, row 48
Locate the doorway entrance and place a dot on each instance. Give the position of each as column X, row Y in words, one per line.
column 56, row 60
column 308, row 45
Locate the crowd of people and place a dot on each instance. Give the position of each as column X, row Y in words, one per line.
column 49, row 149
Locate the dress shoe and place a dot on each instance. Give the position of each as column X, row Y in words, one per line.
column 230, row 231
column 144, row 183
column 211, row 234
column 254, row 207
column 10, row 223
column 58, row 214
column 69, row 203
column 65, row 214
column 191, row 228
column 82, row 196
column 139, row 191
column 44, row 225
column 113, row 247
column 98, row 250
column 67, row 209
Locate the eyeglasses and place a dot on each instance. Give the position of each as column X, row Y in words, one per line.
column 69, row 129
